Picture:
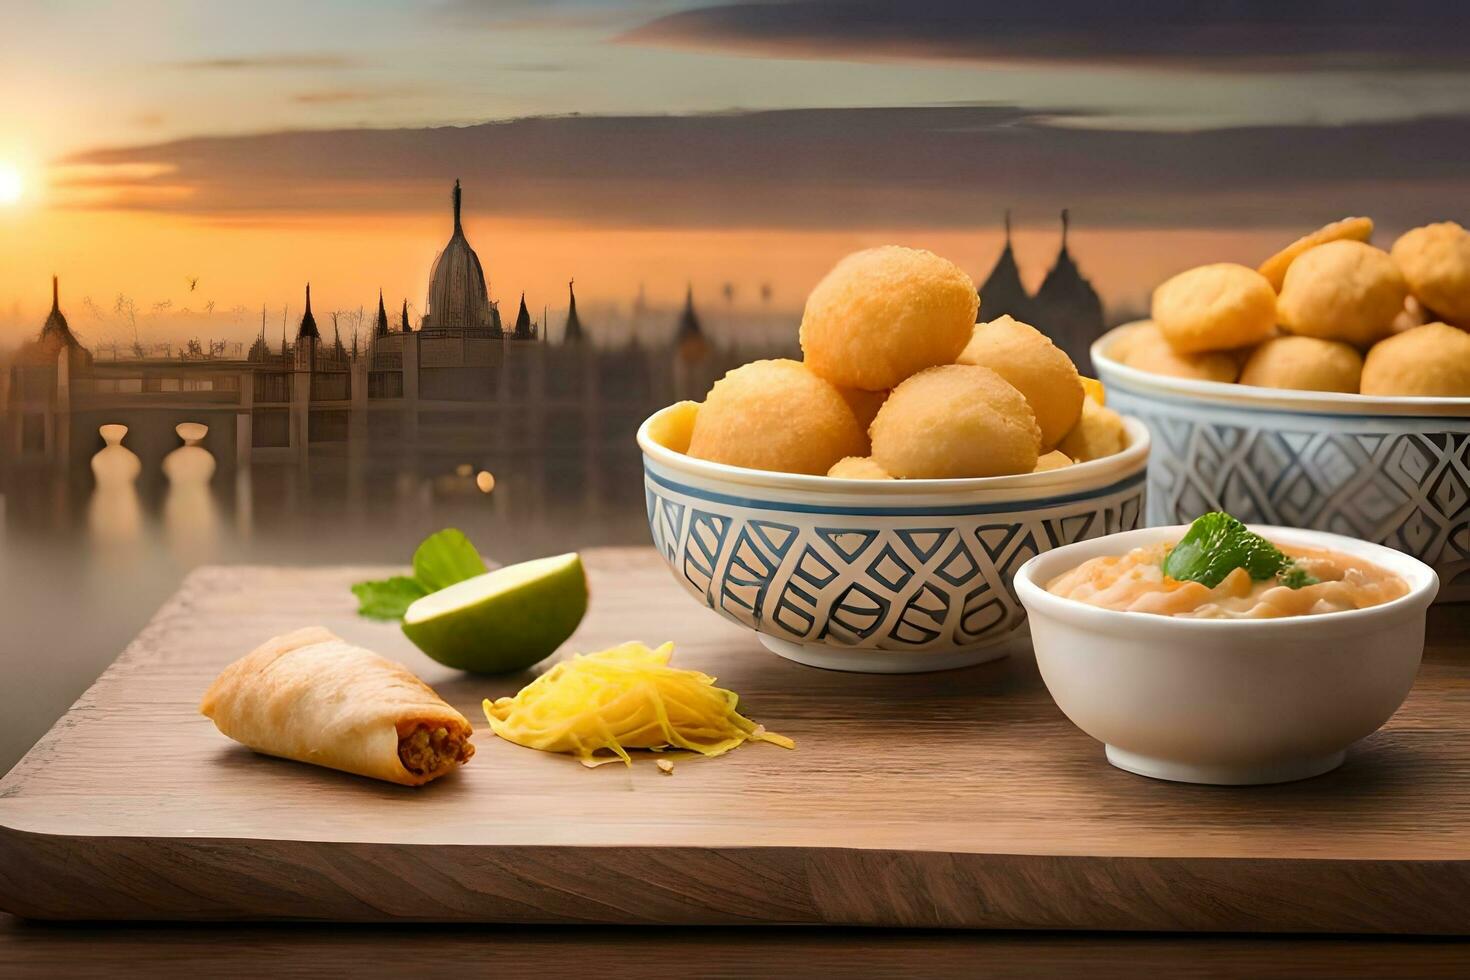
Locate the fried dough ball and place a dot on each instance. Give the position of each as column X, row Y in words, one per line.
column 864, row 404
column 1343, row 290
column 1349, row 229
column 1215, row 307
column 1304, row 364
column 884, row 313
column 1054, row 460
column 1097, row 434
column 1435, row 259
column 1038, row 369
column 1093, row 388
column 1431, row 360
column 956, row 420
column 1412, row 315
column 673, row 427
column 1147, row 350
column 776, row 415
column 858, row 468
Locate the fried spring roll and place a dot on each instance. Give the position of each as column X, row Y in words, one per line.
column 313, row 697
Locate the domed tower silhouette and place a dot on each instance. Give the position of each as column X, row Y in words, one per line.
column 1003, row 293
column 1067, row 308
column 458, row 296
column 572, row 332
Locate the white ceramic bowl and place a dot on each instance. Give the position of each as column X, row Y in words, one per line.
column 883, row 576
column 1226, row 701
column 1395, row 471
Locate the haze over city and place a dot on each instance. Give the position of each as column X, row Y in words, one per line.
column 191, row 158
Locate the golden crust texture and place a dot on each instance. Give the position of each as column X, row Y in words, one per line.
column 858, row 468
column 1343, row 290
column 955, row 421
column 1435, row 260
column 1304, row 364
column 885, row 313
column 1215, row 307
column 313, row 697
column 1036, row 367
column 1147, row 350
column 1432, row 360
column 776, row 415
column 1348, row 229
column 1098, row 433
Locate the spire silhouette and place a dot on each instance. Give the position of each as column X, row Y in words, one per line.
column 308, row 322
column 573, row 332
column 458, row 229
column 382, row 321
column 523, row 329
column 1003, row 293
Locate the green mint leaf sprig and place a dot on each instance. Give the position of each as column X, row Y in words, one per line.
column 444, row 558
column 1216, row 544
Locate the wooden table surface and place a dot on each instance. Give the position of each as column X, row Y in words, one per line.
column 309, row 952
column 962, row 798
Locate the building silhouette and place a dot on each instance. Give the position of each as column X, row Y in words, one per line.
column 1065, row 307
column 550, row 418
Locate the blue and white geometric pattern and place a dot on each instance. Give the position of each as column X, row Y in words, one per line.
column 1401, row 482
column 893, row 578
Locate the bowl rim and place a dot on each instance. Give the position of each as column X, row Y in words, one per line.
column 1238, row 395
column 1422, row 579
column 1079, row 477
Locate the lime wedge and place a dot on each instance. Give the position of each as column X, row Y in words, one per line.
column 504, row 620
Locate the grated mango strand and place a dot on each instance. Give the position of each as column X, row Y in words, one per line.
column 627, row 697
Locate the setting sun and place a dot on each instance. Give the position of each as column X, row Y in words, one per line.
column 11, row 186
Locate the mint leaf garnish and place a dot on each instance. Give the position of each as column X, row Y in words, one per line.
column 444, row 558
column 387, row 598
column 1215, row 545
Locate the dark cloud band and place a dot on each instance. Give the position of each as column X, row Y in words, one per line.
column 1233, row 35
column 822, row 168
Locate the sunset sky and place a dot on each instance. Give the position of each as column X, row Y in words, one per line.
column 186, row 154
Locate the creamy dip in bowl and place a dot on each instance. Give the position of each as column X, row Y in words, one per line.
column 1136, row 582
column 1221, row 697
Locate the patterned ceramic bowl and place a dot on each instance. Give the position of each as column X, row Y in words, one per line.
column 880, row 576
column 1394, row 471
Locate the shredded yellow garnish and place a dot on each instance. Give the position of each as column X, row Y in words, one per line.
column 620, row 699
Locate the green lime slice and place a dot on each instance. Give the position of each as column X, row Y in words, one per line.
column 504, row 620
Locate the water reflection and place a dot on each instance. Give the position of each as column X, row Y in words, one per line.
column 190, row 520
column 115, row 514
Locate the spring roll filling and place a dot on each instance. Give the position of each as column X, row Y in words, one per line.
column 427, row 747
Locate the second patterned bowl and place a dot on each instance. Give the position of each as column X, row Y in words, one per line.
column 876, row 576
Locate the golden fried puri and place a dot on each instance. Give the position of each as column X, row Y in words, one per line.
column 1097, row 434
column 1343, row 290
column 956, row 420
column 776, row 415
column 1147, row 350
column 1304, row 364
column 1349, row 229
column 884, row 313
column 1054, row 460
column 1435, row 259
column 1038, row 369
column 1432, row 360
column 1215, row 307
column 858, row 468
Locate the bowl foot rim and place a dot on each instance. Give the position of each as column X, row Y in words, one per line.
column 1256, row 774
column 860, row 660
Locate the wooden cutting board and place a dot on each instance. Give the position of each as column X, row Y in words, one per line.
column 955, row 799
